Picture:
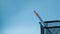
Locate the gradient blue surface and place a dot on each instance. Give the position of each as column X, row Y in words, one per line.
column 17, row 16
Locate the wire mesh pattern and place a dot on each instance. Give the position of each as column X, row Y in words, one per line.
column 51, row 27
column 52, row 31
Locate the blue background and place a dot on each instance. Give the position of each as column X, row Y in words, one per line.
column 17, row 16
